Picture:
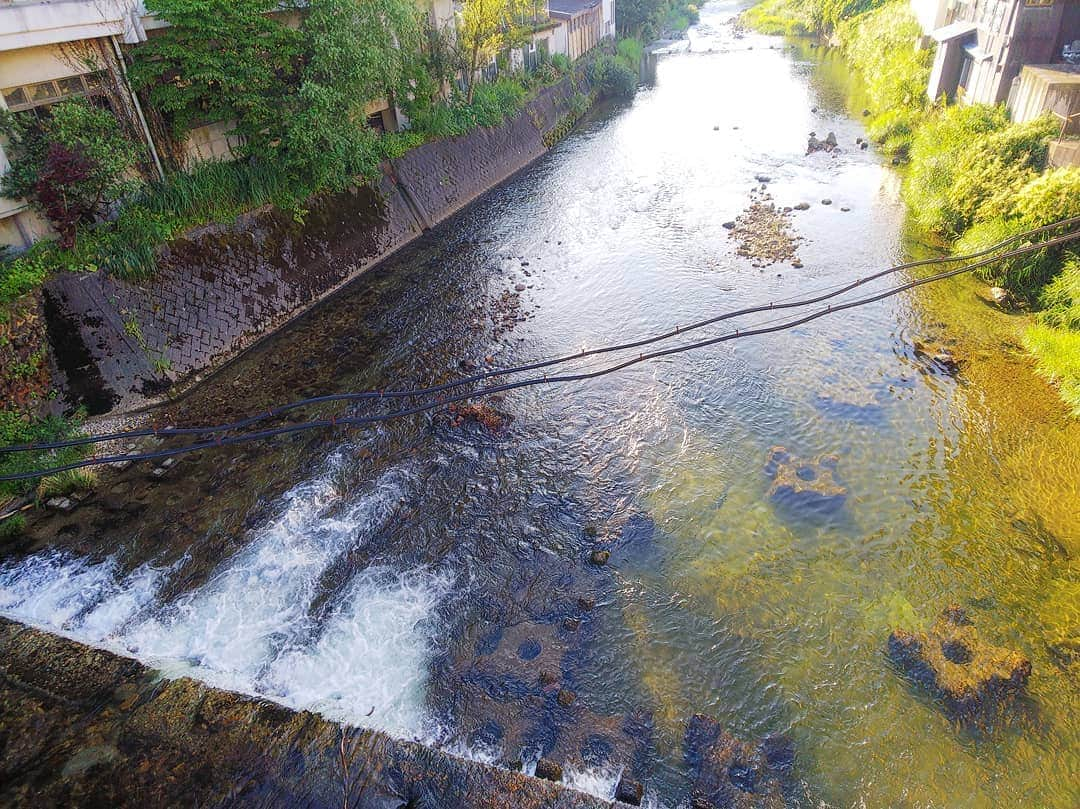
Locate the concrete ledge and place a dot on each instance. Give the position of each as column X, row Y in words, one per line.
column 85, row 727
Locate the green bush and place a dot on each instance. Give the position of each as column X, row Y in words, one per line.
column 777, row 17
column 994, row 168
column 880, row 46
column 13, row 526
column 72, row 166
column 611, row 78
column 629, row 52
column 1057, row 359
column 561, row 62
column 936, row 152
column 1060, row 299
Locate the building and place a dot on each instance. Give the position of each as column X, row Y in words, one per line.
column 66, row 49
column 982, row 45
column 52, row 50
column 583, row 22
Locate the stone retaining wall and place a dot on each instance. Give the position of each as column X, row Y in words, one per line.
column 84, row 727
column 220, row 289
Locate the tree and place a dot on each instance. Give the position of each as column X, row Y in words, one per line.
column 221, row 60
column 486, row 27
column 358, row 51
column 72, row 165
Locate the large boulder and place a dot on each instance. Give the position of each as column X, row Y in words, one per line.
column 728, row 773
column 965, row 672
column 804, row 484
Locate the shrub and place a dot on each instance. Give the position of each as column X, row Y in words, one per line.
column 72, row 166
column 993, row 170
column 630, row 51
column 561, row 62
column 238, row 62
column 1060, row 298
column 894, row 130
column 1057, row 359
column 612, row 79
column 880, row 46
column 1050, row 197
column 13, row 526
column 936, row 151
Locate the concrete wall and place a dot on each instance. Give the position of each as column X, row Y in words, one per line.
column 222, row 288
column 85, row 727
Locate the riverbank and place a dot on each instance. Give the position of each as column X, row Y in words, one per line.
column 970, row 177
column 94, row 343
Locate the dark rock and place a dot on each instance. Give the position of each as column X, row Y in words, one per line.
column 548, row 677
column 548, row 770
column 566, row 698
column 826, row 201
column 803, row 206
column 864, row 145
column 950, row 660
column 804, row 484
column 629, row 791
column 830, row 140
column 763, row 178
column 587, row 603
column 845, row 208
column 600, row 558
column 727, row 772
column 730, row 225
column 572, row 624
column 796, row 264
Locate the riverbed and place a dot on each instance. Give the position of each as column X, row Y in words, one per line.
column 436, row 580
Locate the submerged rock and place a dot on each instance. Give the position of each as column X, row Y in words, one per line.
column 804, row 484
column 965, row 672
column 479, row 413
column 727, row 772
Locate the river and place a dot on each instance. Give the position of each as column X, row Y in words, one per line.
column 435, row 581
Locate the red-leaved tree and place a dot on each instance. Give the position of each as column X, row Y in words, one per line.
column 65, row 191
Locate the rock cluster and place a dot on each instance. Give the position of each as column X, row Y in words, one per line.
column 763, row 231
column 804, row 484
column 965, row 672
column 828, row 145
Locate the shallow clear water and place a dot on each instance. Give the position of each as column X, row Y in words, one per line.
column 418, row 577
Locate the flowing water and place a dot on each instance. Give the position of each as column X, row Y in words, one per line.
column 420, row 577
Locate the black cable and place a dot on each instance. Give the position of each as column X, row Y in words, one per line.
column 579, row 377
column 276, row 412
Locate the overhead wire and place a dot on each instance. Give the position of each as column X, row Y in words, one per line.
column 439, row 402
column 781, row 304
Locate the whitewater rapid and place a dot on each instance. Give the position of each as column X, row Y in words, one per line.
column 269, row 621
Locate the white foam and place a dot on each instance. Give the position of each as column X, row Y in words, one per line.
column 253, row 626
column 258, row 602
column 597, row 781
column 368, row 666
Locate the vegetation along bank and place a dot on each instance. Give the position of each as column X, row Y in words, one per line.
column 971, row 177
column 294, row 88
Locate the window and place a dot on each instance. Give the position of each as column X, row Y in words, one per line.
column 47, row 93
column 1039, row 3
